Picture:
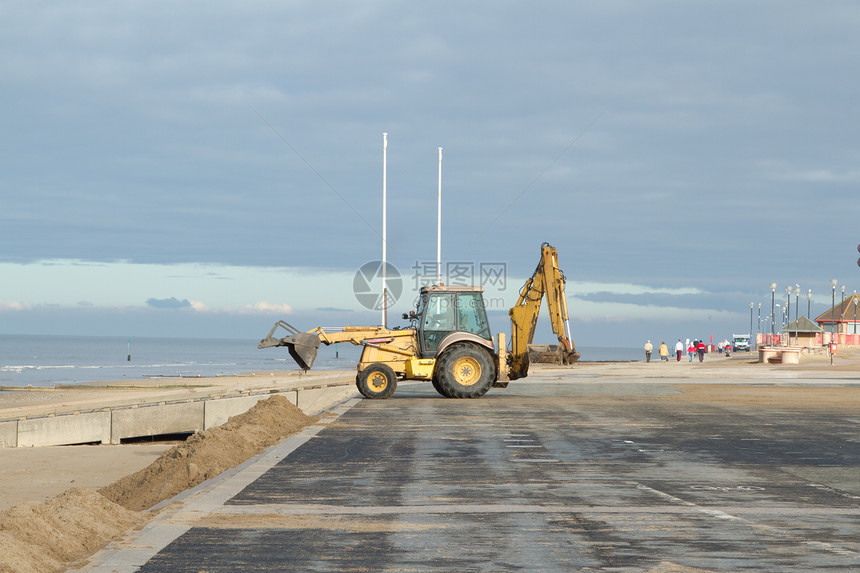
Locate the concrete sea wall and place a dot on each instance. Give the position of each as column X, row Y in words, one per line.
column 111, row 425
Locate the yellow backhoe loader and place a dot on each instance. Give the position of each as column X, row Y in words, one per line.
column 449, row 341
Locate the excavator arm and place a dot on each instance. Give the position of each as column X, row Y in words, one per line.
column 547, row 281
column 303, row 346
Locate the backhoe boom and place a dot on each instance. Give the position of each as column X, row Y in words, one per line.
column 547, row 281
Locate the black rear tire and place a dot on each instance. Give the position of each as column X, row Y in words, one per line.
column 438, row 387
column 377, row 382
column 465, row 371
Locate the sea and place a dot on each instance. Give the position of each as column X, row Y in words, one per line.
column 46, row 361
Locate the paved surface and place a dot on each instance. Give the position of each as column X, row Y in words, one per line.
column 544, row 476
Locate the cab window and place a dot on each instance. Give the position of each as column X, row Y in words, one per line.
column 439, row 320
column 471, row 315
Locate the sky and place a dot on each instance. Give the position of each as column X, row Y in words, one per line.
column 204, row 169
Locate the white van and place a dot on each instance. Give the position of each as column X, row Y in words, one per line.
column 741, row 342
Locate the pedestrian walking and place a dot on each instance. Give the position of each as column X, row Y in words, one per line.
column 691, row 349
column 648, row 348
column 700, row 349
column 664, row 352
column 679, row 349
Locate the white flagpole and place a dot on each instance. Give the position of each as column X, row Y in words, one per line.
column 439, row 225
column 384, row 237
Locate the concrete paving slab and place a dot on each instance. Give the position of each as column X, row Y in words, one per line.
column 548, row 476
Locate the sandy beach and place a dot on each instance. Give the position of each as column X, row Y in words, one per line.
column 38, row 475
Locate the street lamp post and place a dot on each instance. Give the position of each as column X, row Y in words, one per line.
column 778, row 319
column 796, row 313
column 752, row 305
column 758, row 330
column 855, row 312
column 788, row 314
column 833, row 283
column 772, row 314
column 841, row 308
column 808, row 304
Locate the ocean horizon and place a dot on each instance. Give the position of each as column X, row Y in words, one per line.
column 45, row 361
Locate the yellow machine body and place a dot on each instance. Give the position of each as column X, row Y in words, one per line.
column 449, row 342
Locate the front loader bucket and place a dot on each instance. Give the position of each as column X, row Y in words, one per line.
column 301, row 345
column 303, row 349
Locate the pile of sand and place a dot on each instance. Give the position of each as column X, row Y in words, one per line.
column 53, row 535
column 206, row 454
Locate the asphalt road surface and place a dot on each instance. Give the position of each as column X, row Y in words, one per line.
column 542, row 476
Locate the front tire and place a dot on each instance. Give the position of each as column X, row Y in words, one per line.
column 465, row 371
column 377, row 382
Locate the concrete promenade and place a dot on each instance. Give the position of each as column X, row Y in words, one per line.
column 634, row 468
column 109, row 413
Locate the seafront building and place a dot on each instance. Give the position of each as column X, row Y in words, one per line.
column 841, row 321
column 839, row 324
column 802, row 332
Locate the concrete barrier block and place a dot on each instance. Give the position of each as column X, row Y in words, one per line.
column 9, row 434
column 314, row 400
column 765, row 355
column 791, row 356
column 219, row 410
column 154, row 420
column 66, row 429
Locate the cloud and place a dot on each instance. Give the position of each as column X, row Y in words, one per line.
column 585, row 288
column 261, row 307
column 266, row 307
column 778, row 170
column 821, row 176
column 13, row 305
column 619, row 312
column 171, row 303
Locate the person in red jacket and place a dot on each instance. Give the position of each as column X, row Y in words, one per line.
column 700, row 349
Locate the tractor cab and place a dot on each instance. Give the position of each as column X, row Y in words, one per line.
column 444, row 311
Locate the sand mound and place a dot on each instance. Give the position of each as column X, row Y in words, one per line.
column 51, row 535
column 206, row 454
